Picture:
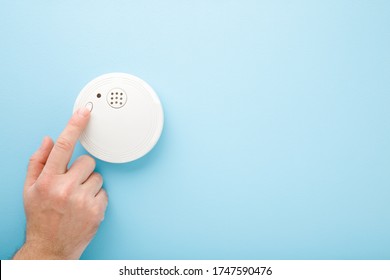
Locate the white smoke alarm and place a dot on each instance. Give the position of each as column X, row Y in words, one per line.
column 126, row 117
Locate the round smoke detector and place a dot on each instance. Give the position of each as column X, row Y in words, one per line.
column 126, row 117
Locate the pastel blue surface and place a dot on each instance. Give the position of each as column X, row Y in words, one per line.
column 277, row 123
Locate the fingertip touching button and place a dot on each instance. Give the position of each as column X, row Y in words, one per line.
column 89, row 106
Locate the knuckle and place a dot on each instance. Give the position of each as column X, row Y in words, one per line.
column 80, row 202
column 44, row 182
column 33, row 159
column 97, row 214
column 64, row 144
column 71, row 182
column 63, row 195
column 103, row 201
column 97, row 177
column 105, row 197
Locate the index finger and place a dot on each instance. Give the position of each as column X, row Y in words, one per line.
column 63, row 148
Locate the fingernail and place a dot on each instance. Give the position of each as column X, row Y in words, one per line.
column 84, row 112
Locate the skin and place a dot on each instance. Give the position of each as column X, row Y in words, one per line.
column 64, row 206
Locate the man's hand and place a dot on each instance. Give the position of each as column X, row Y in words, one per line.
column 64, row 207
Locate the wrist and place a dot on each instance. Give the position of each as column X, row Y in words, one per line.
column 33, row 250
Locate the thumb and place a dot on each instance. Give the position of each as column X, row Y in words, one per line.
column 38, row 161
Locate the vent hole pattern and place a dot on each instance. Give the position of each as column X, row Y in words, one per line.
column 116, row 98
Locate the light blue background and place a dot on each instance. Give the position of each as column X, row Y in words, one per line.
column 276, row 137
